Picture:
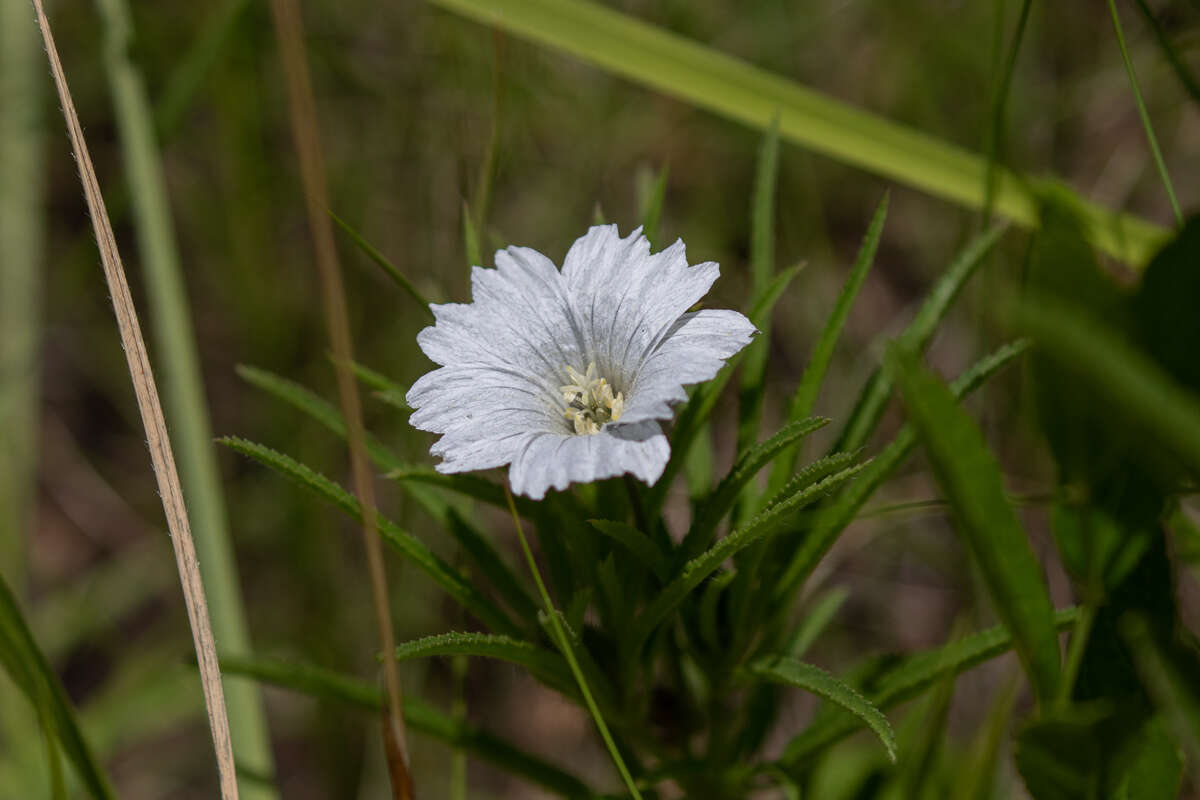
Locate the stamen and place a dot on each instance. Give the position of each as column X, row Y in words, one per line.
column 590, row 401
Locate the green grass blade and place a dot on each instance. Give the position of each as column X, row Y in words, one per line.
column 833, row 520
column 909, row 678
column 805, row 397
column 790, row 672
column 1145, row 394
column 762, row 264
column 1173, row 58
column 637, row 543
column 327, row 685
column 381, row 261
column 384, row 387
column 818, row 617
column 712, row 80
column 183, row 386
column 710, row 513
column 695, row 414
column 453, row 582
column 916, row 337
column 994, row 148
column 652, row 196
column 1143, row 113
column 699, row 568
column 973, row 483
column 25, row 664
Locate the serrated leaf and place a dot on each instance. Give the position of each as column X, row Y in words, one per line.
column 907, row 679
column 637, row 543
column 699, row 568
column 972, row 481
column 710, row 513
column 472, row 486
column 331, row 686
column 833, row 519
column 805, row 397
column 543, row 664
column 24, row 662
column 453, row 582
column 791, row 672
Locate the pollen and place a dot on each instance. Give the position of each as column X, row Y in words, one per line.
column 590, row 401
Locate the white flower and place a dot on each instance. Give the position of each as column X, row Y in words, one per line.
column 564, row 375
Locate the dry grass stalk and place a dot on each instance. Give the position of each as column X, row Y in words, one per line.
column 289, row 30
column 156, row 429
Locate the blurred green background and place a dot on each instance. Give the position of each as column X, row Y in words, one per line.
column 411, row 98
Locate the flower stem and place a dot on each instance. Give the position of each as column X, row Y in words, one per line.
column 564, row 644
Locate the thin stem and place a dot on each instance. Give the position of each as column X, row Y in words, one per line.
column 1079, row 639
column 995, row 145
column 564, row 644
column 1141, row 106
column 289, row 29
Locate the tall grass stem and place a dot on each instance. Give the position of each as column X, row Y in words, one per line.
column 157, row 439
column 289, row 30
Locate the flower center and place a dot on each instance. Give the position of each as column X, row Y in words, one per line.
column 590, row 401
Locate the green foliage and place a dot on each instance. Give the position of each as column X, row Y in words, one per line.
column 29, row 670
column 972, row 482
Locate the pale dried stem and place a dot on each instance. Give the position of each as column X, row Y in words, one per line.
column 290, row 33
column 156, row 430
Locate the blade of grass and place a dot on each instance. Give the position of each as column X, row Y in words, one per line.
column 159, row 443
column 712, row 80
column 805, row 396
column 25, row 664
column 183, row 386
column 330, row 686
column 834, row 519
column 1173, row 58
column 994, row 147
column 790, row 672
column 652, row 194
column 387, row 266
column 972, row 481
column 762, row 264
column 872, row 401
column 1145, row 115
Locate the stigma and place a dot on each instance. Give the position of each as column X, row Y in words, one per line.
column 590, row 401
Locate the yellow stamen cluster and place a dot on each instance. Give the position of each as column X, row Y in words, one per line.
column 590, row 401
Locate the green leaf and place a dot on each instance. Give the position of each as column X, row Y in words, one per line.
column 385, row 388
column 816, row 619
column 29, row 670
column 472, row 486
column 972, row 482
column 545, row 665
column 327, row 685
column 841, row 512
column 651, row 199
column 453, row 582
column 710, row 513
column 712, row 80
column 873, row 399
column 470, row 238
column 1164, row 307
column 387, row 266
column 1157, row 769
column 699, row 568
column 805, row 396
column 1138, row 389
column 1060, row 756
column 637, row 543
column 789, row 671
column 694, row 415
column 762, row 264
column 907, row 679
column 1169, row 675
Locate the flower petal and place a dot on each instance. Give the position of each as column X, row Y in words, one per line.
column 626, row 299
column 552, row 461
column 693, row 350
